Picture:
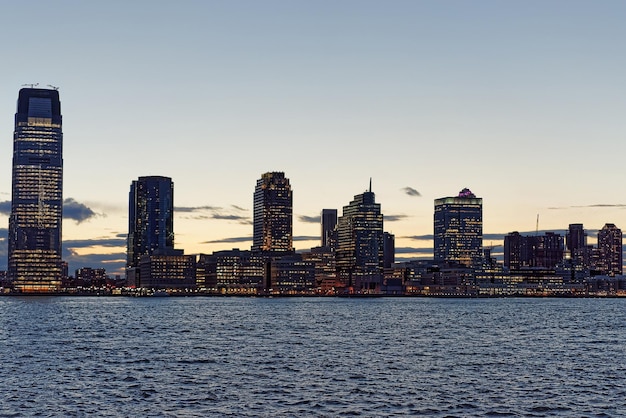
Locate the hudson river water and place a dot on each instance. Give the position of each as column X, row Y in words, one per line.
column 320, row 357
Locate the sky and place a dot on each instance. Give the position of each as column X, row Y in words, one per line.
column 520, row 101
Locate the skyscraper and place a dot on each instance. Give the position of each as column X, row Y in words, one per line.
column 360, row 246
column 273, row 214
column 150, row 217
column 610, row 248
column 458, row 229
column 34, row 263
column 328, row 223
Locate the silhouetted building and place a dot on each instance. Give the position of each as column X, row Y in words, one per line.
column 360, row 245
column 273, row 214
column 580, row 254
column 150, row 217
column 548, row 251
column 87, row 276
column 34, row 256
column 233, row 270
column 517, row 251
column 522, row 251
column 458, row 229
column 389, row 249
column 167, row 269
column 151, row 231
column 328, row 223
column 610, row 249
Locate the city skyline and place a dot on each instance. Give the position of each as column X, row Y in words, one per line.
column 520, row 102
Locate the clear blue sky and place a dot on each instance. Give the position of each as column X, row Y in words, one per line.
column 520, row 101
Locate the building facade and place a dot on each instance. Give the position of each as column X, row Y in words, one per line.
column 328, row 224
column 150, row 228
column 360, row 247
column 610, row 250
column 34, row 256
column 458, row 229
column 150, row 217
column 273, row 214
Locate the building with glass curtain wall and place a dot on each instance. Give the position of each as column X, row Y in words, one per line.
column 34, row 256
column 360, row 247
column 150, row 221
column 458, row 229
column 610, row 249
column 273, row 214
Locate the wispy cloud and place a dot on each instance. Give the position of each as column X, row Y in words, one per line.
column 306, row 238
column 596, row 205
column 215, row 212
column 229, row 240
column 428, row 237
column 395, row 218
column 413, row 250
column 309, row 219
column 411, row 191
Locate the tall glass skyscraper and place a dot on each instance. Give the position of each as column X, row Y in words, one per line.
column 150, row 217
column 34, row 263
column 610, row 247
column 458, row 229
column 360, row 245
column 328, row 223
column 273, row 214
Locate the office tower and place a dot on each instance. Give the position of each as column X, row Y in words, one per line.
column 576, row 244
column 273, row 214
column 610, row 249
column 360, row 243
column 522, row 251
column 458, row 229
column 329, row 222
column 548, row 250
column 389, row 249
column 34, row 262
column 575, row 238
column 150, row 217
column 518, row 251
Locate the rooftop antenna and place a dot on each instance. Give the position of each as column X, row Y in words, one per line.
column 537, row 226
column 370, row 185
column 53, row 87
column 32, row 85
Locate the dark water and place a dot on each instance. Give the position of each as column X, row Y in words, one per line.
column 115, row 356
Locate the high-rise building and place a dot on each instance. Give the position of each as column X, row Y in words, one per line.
column 34, row 262
column 360, row 248
column 273, row 214
column 458, row 229
column 610, row 249
column 150, row 217
column 575, row 238
column 328, row 223
column 389, row 249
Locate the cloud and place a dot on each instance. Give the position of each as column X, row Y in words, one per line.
column 5, row 207
column 410, row 191
column 76, row 211
column 188, row 209
column 229, row 240
column 306, row 238
column 215, row 212
column 428, row 237
column 394, row 218
column 596, row 205
column 413, row 250
column 309, row 219
column 102, row 242
column 72, row 209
